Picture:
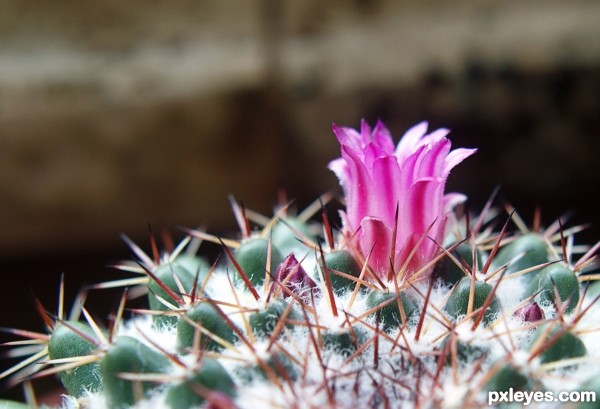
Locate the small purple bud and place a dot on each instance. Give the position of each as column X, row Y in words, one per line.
column 291, row 274
column 530, row 312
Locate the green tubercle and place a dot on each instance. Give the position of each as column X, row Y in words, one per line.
column 252, row 254
column 344, row 342
column 458, row 301
column 68, row 340
column 561, row 277
column 527, row 251
column 210, row 377
column 344, row 262
column 276, row 363
column 263, row 322
column 568, row 345
column 130, row 356
column 390, row 316
column 449, row 271
column 166, row 273
column 287, row 236
column 508, row 377
column 592, row 385
column 206, row 316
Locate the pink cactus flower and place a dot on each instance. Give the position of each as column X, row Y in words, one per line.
column 377, row 178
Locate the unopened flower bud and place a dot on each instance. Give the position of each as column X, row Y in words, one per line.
column 291, row 274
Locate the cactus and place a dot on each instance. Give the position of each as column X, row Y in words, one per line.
column 461, row 302
column 69, row 340
column 378, row 313
column 128, row 355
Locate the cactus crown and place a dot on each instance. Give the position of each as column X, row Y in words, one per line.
column 408, row 304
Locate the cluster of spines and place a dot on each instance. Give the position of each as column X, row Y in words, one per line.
column 395, row 314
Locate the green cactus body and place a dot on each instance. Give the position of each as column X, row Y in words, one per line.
column 283, row 236
column 531, row 249
column 508, row 377
column 465, row 351
column 276, row 363
column 451, row 273
column 193, row 264
column 389, row 315
column 458, row 301
column 563, row 278
column 593, row 290
column 263, row 322
column 567, row 346
column 67, row 343
column 251, row 255
column 166, row 273
column 344, row 342
column 210, row 377
column 128, row 355
column 591, row 385
column 344, row 262
column 206, row 316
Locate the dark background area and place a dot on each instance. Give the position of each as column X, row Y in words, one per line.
column 82, row 160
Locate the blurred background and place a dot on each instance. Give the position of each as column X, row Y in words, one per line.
column 116, row 115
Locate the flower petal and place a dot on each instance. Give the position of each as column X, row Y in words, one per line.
column 432, row 160
column 358, row 191
column 455, row 157
column 409, row 142
column 422, row 213
column 381, row 137
column 348, row 137
column 451, row 200
column 434, row 136
column 340, row 168
column 376, row 235
column 386, row 175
